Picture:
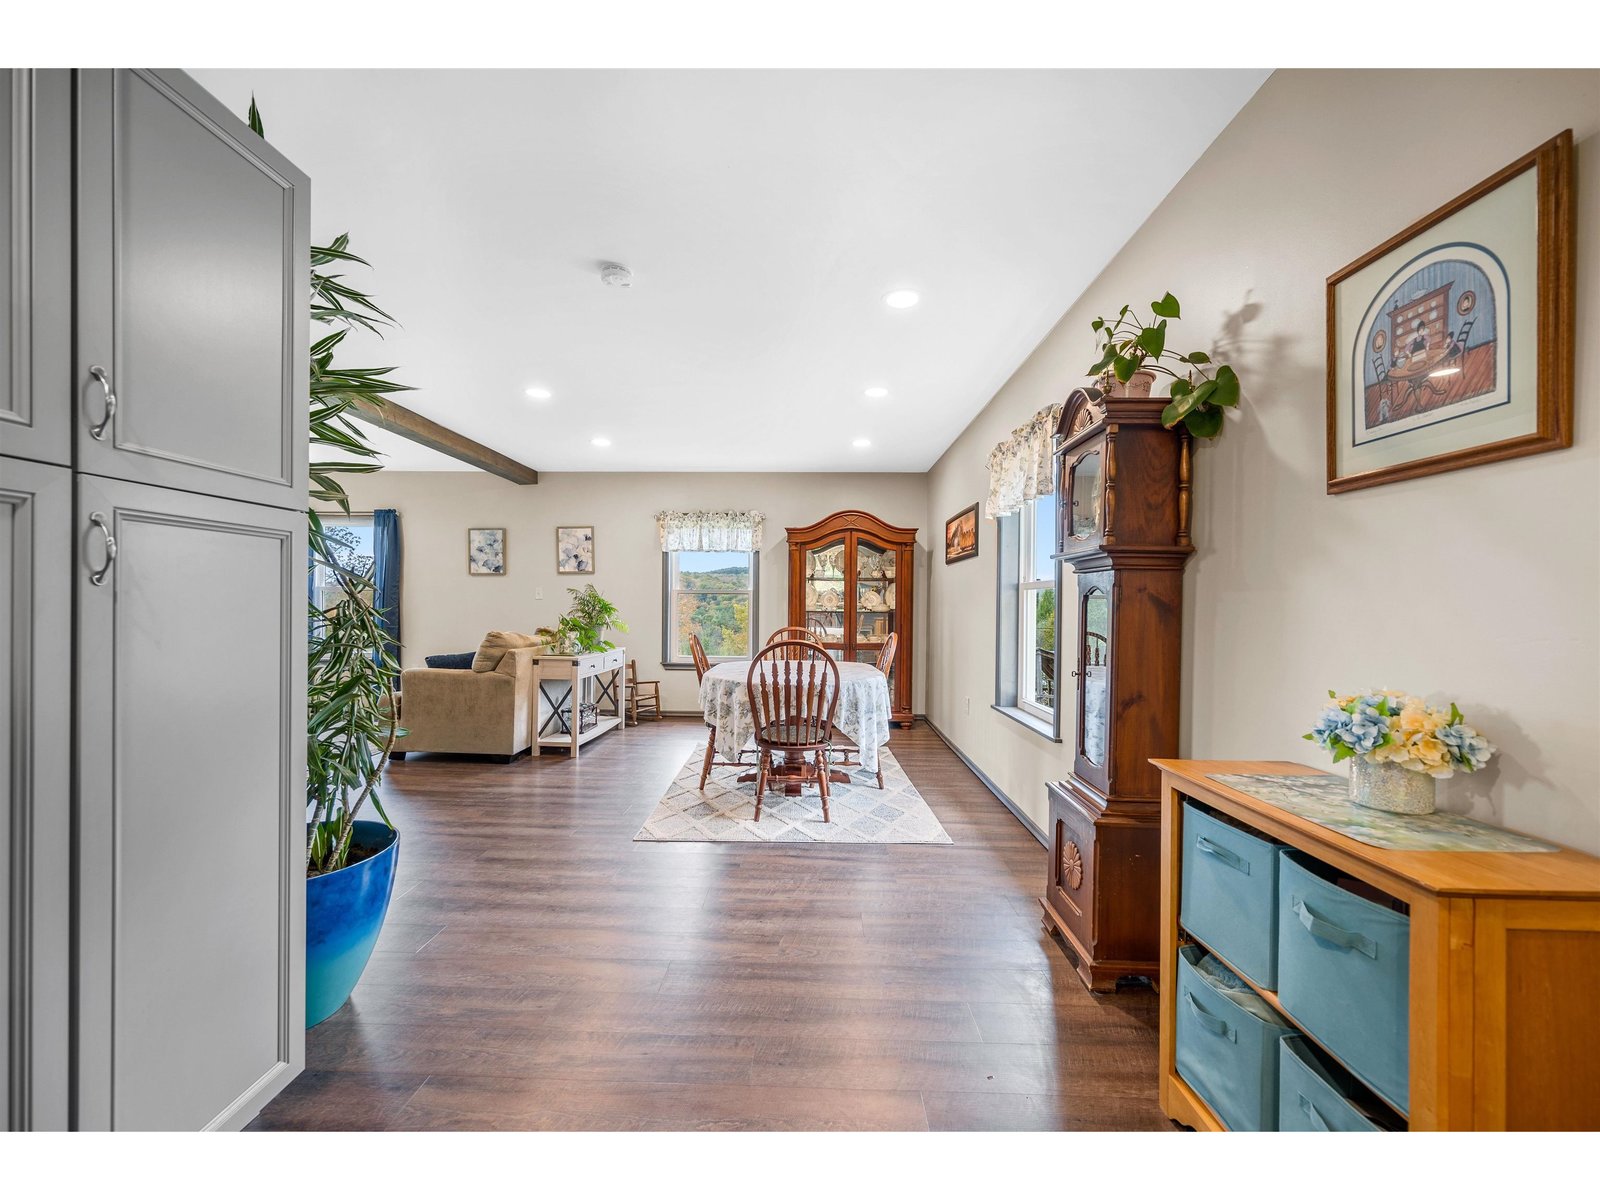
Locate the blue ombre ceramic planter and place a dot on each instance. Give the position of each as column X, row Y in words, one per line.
column 344, row 915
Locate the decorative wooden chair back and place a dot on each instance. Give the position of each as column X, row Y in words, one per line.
column 794, row 633
column 702, row 664
column 886, row 655
column 794, row 693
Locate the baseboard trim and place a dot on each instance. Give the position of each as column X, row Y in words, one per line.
column 1027, row 822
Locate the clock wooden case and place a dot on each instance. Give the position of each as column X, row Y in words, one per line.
column 1123, row 530
column 850, row 580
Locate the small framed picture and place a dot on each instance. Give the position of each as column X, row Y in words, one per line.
column 961, row 535
column 1451, row 344
column 575, row 549
column 486, row 552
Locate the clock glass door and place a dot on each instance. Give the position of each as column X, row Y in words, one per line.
column 825, row 594
column 1094, row 705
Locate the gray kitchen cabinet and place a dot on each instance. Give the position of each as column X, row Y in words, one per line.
column 192, row 274
column 35, row 824
column 36, row 265
column 191, row 635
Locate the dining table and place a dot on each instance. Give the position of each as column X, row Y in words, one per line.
column 863, row 713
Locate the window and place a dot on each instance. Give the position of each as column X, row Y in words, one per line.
column 1036, row 618
column 350, row 544
column 711, row 593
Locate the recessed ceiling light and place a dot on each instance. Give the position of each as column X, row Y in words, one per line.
column 602, row 442
column 901, row 298
column 876, row 393
column 862, row 443
column 537, row 393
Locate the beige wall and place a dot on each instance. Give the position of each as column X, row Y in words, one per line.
column 1482, row 585
column 443, row 609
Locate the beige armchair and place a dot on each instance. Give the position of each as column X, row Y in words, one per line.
column 469, row 712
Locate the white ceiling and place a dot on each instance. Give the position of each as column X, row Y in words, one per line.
column 764, row 215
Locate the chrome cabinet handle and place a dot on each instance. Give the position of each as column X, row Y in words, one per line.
column 98, row 433
column 98, row 520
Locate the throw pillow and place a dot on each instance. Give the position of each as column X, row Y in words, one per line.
column 451, row 662
column 494, row 647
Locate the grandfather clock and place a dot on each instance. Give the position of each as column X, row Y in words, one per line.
column 1123, row 487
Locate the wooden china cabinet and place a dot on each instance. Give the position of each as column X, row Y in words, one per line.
column 1123, row 529
column 850, row 580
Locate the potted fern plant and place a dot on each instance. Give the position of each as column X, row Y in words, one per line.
column 350, row 667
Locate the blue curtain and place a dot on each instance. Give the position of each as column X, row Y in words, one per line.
column 386, row 570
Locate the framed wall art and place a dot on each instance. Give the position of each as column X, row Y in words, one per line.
column 1451, row 344
column 961, row 536
column 486, row 552
column 575, row 549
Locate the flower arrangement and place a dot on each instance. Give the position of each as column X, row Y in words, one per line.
column 1392, row 727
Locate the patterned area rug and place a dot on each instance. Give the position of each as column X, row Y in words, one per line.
column 725, row 811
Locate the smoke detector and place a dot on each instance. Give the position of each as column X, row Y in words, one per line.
column 615, row 275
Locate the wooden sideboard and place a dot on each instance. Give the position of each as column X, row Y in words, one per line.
column 1504, row 963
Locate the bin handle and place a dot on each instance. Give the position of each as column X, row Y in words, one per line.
column 1215, row 1024
column 1329, row 932
column 1206, row 846
column 1313, row 1116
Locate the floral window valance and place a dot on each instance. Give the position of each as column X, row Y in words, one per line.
column 718, row 529
column 1021, row 467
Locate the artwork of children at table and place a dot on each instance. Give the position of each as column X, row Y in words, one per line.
column 1433, row 350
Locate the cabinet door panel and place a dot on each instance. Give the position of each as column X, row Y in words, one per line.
column 192, row 292
column 36, row 265
column 35, row 824
column 191, row 715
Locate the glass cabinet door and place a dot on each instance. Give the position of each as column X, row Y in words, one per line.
column 875, row 607
column 825, row 593
column 1084, row 492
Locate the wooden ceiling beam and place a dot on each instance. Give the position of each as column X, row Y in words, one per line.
column 398, row 419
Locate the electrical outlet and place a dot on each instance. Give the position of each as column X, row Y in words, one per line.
column 538, row 594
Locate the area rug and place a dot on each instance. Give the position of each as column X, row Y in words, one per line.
column 725, row 811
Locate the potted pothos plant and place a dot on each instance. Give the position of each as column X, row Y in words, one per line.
column 582, row 628
column 350, row 664
column 1200, row 390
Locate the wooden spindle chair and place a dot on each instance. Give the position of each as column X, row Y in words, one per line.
column 702, row 664
column 794, row 633
column 794, row 694
column 886, row 653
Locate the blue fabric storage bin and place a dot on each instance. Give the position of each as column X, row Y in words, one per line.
column 1315, row 1096
column 1229, row 895
column 1225, row 1052
column 1344, row 973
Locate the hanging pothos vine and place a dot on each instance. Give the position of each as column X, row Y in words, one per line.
column 1198, row 395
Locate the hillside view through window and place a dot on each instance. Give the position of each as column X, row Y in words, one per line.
column 711, row 595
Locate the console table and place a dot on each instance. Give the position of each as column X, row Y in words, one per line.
column 563, row 683
column 1504, row 962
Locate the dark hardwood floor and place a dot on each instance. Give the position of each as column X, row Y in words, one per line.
column 541, row 970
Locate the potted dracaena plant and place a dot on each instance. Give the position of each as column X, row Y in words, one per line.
column 350, row 664
column 1200, row 390
column 582, row 628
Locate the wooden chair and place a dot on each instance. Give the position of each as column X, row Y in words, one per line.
column 887, row 652
column 794, row 633
column 702, row 664
column 642, row 695
column 794, row 694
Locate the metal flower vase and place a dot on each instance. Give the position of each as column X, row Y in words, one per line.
column 1389, row 787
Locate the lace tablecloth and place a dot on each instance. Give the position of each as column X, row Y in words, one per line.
column 863, row 714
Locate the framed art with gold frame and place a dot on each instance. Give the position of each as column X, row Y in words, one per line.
column 574, row 549
column 1451, row 344
column 486, row 551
